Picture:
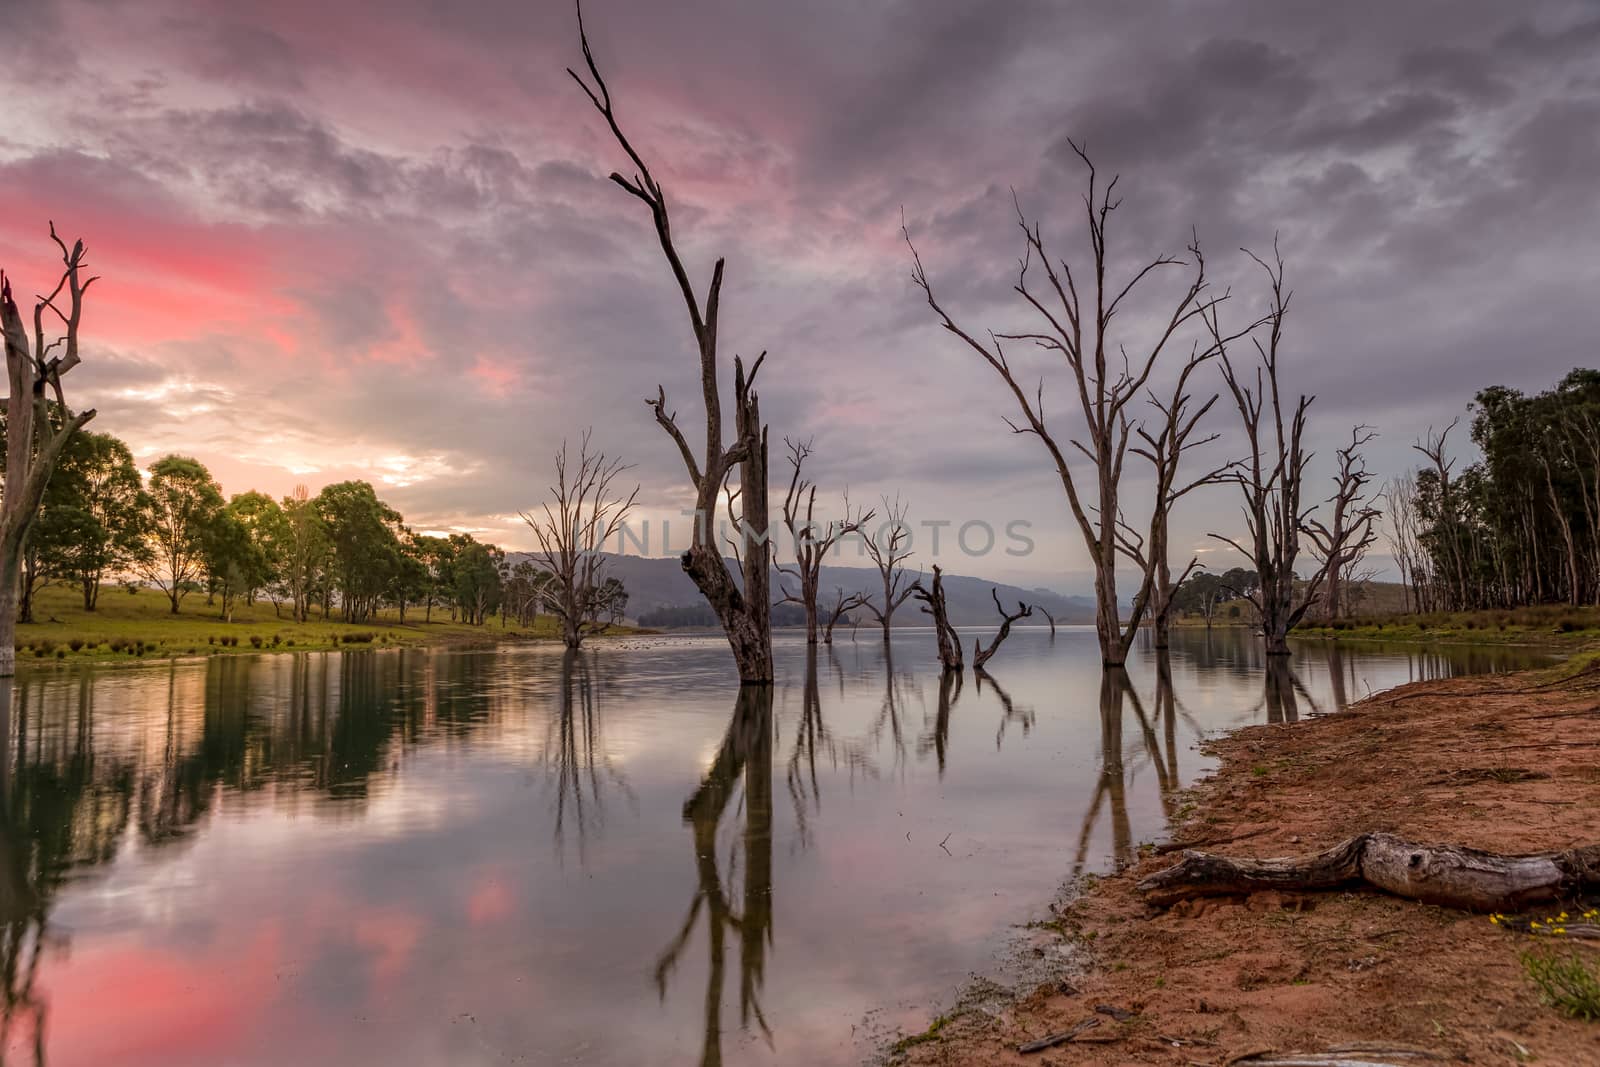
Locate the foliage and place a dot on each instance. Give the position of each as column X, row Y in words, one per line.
column 343, row 547
column 1566, row 983
column 1202, row 592
column 184, row 499
column 1522, row 525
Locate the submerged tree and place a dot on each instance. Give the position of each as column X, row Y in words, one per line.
column 889, row 547
column 585, row 511
column 1105, row 379
column 981, row 655
column 843, row 604
column 1271, row 477
column 33, row 441
column 743, row 607
column 932, row 597
column 1352, row 528
column 811, row 541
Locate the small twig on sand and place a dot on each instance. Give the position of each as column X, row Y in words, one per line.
column 1052, row 1040
column 947, row 852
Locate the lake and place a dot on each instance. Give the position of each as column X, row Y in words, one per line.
column 613, row 857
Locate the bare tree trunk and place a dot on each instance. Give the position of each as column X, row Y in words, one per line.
column 33, row 444
column 1103, row 390
column 1272, row 476
column 933, row 601
column 842, row 605
column 745, row 613
column 572, row 531
column 810, row 543
column 1446, row 875
column 888, row 553
column 1051, row 619
column 981, row 655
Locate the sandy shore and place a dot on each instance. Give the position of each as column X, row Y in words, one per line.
column 1508, row 763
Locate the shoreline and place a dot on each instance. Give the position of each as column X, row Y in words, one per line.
column 1476, row 760
column 331, row 636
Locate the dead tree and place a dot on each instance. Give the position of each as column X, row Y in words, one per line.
column 1105, row 379
column 1404, row 534
column 584, row 513
column 888, row 553
column 744, row 608
column 1272, row 474
column 1051, row 619
column 1433, row 446
column 932, row 598
column 1164, row 451
column 33, row 440
column 842, row 606
column 1342, row 542
column 810, row 541
column 981, row 655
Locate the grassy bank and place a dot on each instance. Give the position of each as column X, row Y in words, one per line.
column 1548, row 624
column 129, row 627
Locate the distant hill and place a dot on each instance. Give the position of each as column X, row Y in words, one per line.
column 659, row 582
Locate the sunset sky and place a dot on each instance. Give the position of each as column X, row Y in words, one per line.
column 346, row 240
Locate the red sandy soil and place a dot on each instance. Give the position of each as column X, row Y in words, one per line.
column 1509, row 763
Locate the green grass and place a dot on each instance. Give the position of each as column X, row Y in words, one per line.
column 930, row 1034
column 1565, row 983
column 129, row 627
column 1555, row 624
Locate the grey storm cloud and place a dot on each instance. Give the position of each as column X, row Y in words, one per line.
column 434, row 278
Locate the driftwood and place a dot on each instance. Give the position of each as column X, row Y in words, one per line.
column 1447, row 875
column 1052, row 1040
column 981, row 655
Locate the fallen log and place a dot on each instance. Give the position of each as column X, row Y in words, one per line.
column 1448, row 875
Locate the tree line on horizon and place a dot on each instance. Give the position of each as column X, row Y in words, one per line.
column 342, row 552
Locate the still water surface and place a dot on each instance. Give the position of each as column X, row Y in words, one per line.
column 521, row 856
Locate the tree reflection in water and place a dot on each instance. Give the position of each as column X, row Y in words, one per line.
column 23, row 906
column 937, row 739
column 572, row 745
column 1009, row 712
column 1111, row 789
column 744, row 760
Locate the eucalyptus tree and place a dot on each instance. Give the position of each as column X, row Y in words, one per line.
column 33, row 442
column 475, row 571
column 262, row 520
column 303, row 551
column 364, row 536
column 233, row 563
column 112, row 510
column 184, row 499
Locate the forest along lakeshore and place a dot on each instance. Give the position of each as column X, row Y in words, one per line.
column 1311, row 783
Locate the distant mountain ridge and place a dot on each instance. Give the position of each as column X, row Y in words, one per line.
column 655, row 582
